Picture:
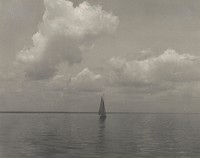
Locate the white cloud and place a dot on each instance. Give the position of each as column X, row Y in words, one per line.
column 84, row 81
column 58, row 83
column 165, row 69
column 62, row 35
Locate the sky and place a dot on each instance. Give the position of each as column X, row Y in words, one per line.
column 60, row 55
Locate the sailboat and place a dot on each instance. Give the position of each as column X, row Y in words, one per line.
column 102, row 110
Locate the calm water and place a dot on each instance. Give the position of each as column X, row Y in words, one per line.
column 84, row 135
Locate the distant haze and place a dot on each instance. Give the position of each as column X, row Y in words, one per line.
column 59, row 55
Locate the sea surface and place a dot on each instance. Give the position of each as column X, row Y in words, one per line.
column 70, row 135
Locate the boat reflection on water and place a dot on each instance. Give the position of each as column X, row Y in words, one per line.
column 101, row 137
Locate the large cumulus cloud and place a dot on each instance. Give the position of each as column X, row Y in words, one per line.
column 63, row 34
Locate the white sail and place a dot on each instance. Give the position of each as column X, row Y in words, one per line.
column 102, row 110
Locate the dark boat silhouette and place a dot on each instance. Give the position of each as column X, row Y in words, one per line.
column 102, row 110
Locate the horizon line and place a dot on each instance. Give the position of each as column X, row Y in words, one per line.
column 87, row 112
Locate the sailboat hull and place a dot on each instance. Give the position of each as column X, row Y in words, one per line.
column 102, row 116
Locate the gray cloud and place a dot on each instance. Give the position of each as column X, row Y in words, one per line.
column 58, row 49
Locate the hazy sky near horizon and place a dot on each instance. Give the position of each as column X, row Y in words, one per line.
column 59, row 55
